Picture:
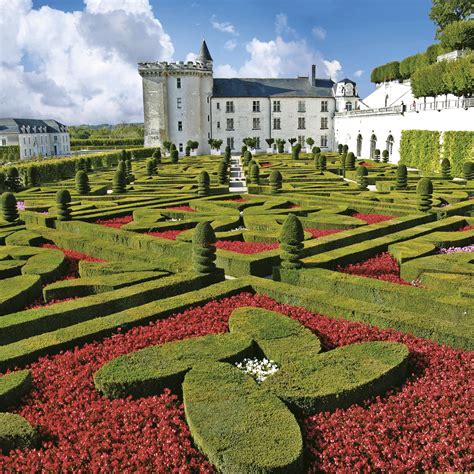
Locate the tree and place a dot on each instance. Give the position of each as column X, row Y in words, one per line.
column 276, row 181
column 280, row 142
column 310, row 141
column 458, row 35
column 291, row 243
column 82, row 183
column 424, row 190
column 444, row 12
column 9, row 207
column 63, row 205
column 270, row 142
column 458, row 76
column 167, row 146
column 174, row 157
column 204, row 250
column 292, row 140
column 203, row 184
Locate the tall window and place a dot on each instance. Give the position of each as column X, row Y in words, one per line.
column 256, row 106
column 256, row 123
column 302, row 140
column 324, row 123
column 301, row 123
column 229, row 106
column 230, row 142
column 276, row 124
column 257, row 140
column 276, row 106
column 178, row 82
column 178, row 102
column 324, row 106
column 4, row 141
column 324, row 140
column 180, row 148
column 218, row 106
column 230, row 124
column 348, row 105
column 301, row 106
column 218, row 125
column 180, row 126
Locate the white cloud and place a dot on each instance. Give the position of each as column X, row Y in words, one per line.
column 280, row 58
column 191, row 57
column 358, row 73
column 282, row 27
column 230, row 45
column 224, row 26
column 319, row 32
column 77, row 67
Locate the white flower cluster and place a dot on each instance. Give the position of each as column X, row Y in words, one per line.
column 172, row 219
column 258, row 369
column 239, row 228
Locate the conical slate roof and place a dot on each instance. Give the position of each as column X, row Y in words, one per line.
column 204, row 54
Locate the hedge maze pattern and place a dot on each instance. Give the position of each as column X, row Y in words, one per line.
column 96, row 245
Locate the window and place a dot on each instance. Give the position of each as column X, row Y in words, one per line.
column 218, row 125
column 301, row 123
column 229, row 107
column 324, row 123
column 348, row 105
column 24, row 152
column 230, row 142
column 180, row 148
column 276, row 124
column 218, row 105
column 256, row 106
column 41, row 138
column 179, row 103
column 257, row 145
column 24, row 141
column 178, row 82
column 324, row 106
column 55, row 138
column 4, row 141
column 302, row 140
column 301, row 106
column 276, row 106
column 230, row 124
column 29, row 140
column 324, row 140
column 180, row 126
column 256, row 123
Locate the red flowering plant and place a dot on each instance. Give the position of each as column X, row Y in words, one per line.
column 167, row 234
column 421, row 426
column 381, row 267
column 323, row 232
column 465, row 228
column 115, row 222
column 180, row 208
column 246, row 247
column 371, row 218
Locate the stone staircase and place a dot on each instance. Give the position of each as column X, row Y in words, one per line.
column 238, row 183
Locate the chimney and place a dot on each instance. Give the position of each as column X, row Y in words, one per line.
column 313, row 75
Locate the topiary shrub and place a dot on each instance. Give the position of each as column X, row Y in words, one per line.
column 119, row 185
column 63, row 205
column 81, row 164
column 339, row 148
column 157, row 155
column 351, row 161
column 243, row 150
column 377, row 155
column 123, row 155
column 424, row 190
column 276, row 181
column 150, row 167
column 204, row 251
column 15, row 433
column 254, row 174
column 291, row 243
column 402, row 177
column 345, row 149
column 280, row 145
column 468, row 170
column 128, row 171
column 446, row 168
column 222, row 172
column 34, row 176
column 88, row 164
column 295, row 152
column 13, row 182
column 203, row 184
column 174, row 156
column 316, row 159
column 187, row 151
column 322, row 162
column 227, row 155
column 9, row 207
column 362, row 179
column 82, row 183
column 385, row 156
column 247, row 157
column 316, row 149
column 344, row 161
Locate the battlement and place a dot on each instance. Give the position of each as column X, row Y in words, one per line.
column 160, row 67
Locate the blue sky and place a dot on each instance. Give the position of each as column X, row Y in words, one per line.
column 247, row 38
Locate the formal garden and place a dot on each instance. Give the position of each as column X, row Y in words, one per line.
column 153, row 320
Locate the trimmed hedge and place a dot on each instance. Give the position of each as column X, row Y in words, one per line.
column 458, row 147
column 15, row 433
column 421, row 149
column 13, row 386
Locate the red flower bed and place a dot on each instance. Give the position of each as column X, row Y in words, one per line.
column 323, row 232
column 115, row 222
column 180, row 208
column 468, row 227
column 167, row 234
column 265, row 164
column 366, row 164
column 245, row 247
column 371, row 218
column 237, row 200
column 381, row 267
column 423, row 426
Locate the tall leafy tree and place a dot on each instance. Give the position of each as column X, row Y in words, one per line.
column 444, row 12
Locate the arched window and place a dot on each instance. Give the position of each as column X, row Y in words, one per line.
column 359, row 145
column 373, row 146
column 348, row 105
column 389, row 145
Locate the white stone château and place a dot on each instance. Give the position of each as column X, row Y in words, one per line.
column 183, row 101
column 35, row 137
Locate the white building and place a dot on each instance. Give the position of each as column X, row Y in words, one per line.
column 183, row 101
column 35, row 137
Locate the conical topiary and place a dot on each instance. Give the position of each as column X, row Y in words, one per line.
column 63, row 204
column 340, row 148
column 446, row 168
column 377, row 155
column 316, row 158
column 9, row 207
column 13, row 179
column 119, row 185
column 351, row 161
column 243, row 150
column 316, row 150
column 187, row 151
column 385, row 156
column 247, row 157
column 402, row 177
column 291, row 243
column 204, row 251
column 322, row 162
column 203, row 184
column 34, row 176
column 362, row 179
column 468, row 170
column 82, row 183
column 88, row 164
column 174, row 157
column 344, row 161
column 123, row 155
column 295, row 152
column 345, row 149
column 227, row 155
column 157, row 156
column 150, row 167
column 254, row 174
column 222, row 172
column 81, row 164
column 276, row 182
column 128, row 171
column 424, row 190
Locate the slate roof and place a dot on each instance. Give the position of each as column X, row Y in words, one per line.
column 13, row 125
column 274, row 87
column 204, row 54
column 347, row 80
